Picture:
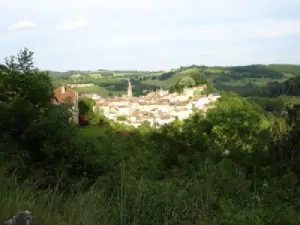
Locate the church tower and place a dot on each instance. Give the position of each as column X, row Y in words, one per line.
column 129, row 95
column 129, row 91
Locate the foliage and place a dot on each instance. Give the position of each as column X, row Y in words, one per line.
column 121, row 118
column 35, row 131
column 182, row 83
column 275, row 105
column 234, row 164
column 255, row 71
column 198, row 77
column 285, row 68
column 167, row 75
column 85, row 106
column 186, row 82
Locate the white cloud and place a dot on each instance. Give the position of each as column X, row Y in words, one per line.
column 24, row 24
column 72, row 24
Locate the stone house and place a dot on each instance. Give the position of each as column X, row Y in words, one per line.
column 66, row 95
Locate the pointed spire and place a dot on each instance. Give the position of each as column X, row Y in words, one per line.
column 129, row 92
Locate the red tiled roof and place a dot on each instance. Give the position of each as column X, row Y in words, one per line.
column 181, row 109
column 61, row 97
column 165, row 117
column 180, row 103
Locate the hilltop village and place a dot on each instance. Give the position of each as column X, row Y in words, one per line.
column 158, row 108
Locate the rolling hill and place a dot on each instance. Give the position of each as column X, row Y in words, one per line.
column 241, row 79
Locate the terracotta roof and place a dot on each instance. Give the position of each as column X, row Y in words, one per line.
column 154, row 103
column 180, row 103
column 138, row 113
column 163, row 103
column 181, row 109
column 62, row 96
column 102, row 104
column 144, row 103
column 165, row 117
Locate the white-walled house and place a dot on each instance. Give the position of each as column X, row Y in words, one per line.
column 159, row 107
column 200, row 104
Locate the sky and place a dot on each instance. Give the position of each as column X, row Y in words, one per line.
column 151, row 34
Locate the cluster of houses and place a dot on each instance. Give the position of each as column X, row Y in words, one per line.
column 157, row 108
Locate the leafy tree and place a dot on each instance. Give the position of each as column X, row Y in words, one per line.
column 167, row 75
column 186, row 82
column 198, row 77
column 85, row 106
column 3, row 68
column 25, row 93
column 35, row 133
column 238, row 124
column 182, row 83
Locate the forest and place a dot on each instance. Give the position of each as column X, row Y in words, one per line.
column 239, row 164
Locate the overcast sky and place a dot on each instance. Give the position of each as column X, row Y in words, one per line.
column 151, row 34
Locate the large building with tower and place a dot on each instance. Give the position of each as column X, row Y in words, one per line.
column 157, row 108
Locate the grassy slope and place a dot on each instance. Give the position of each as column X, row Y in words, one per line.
column 286, row 68
column 214, row 72
column 211, row 197
column 94, row 89
column 290, row 99
column 256, row 81
column 171, row 81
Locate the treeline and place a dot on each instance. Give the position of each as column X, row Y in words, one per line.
column 286, row 68
column 122, row 86
column 244, row 72
column 272, row 89
column 226, row 74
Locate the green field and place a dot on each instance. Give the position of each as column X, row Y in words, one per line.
column 286, row 68
column 214, row 70
column 94, row 89
column 256, row 81
column 290, row 99
column 235, row 77
column 98, row 90
column 171, row 81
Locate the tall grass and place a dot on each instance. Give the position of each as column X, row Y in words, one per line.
column 209, row 197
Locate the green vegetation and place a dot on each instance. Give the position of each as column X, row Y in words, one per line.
column 85, row 106
column 93, row 89
column 237, row 165
column 121, row 118
column 245, row 80
column 289, row 69
column 192, row 78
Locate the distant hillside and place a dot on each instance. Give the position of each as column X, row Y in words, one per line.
column 102, row 72
column 241, row 79
column 286, row 68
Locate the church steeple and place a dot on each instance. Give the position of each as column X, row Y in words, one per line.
column 129, row 91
